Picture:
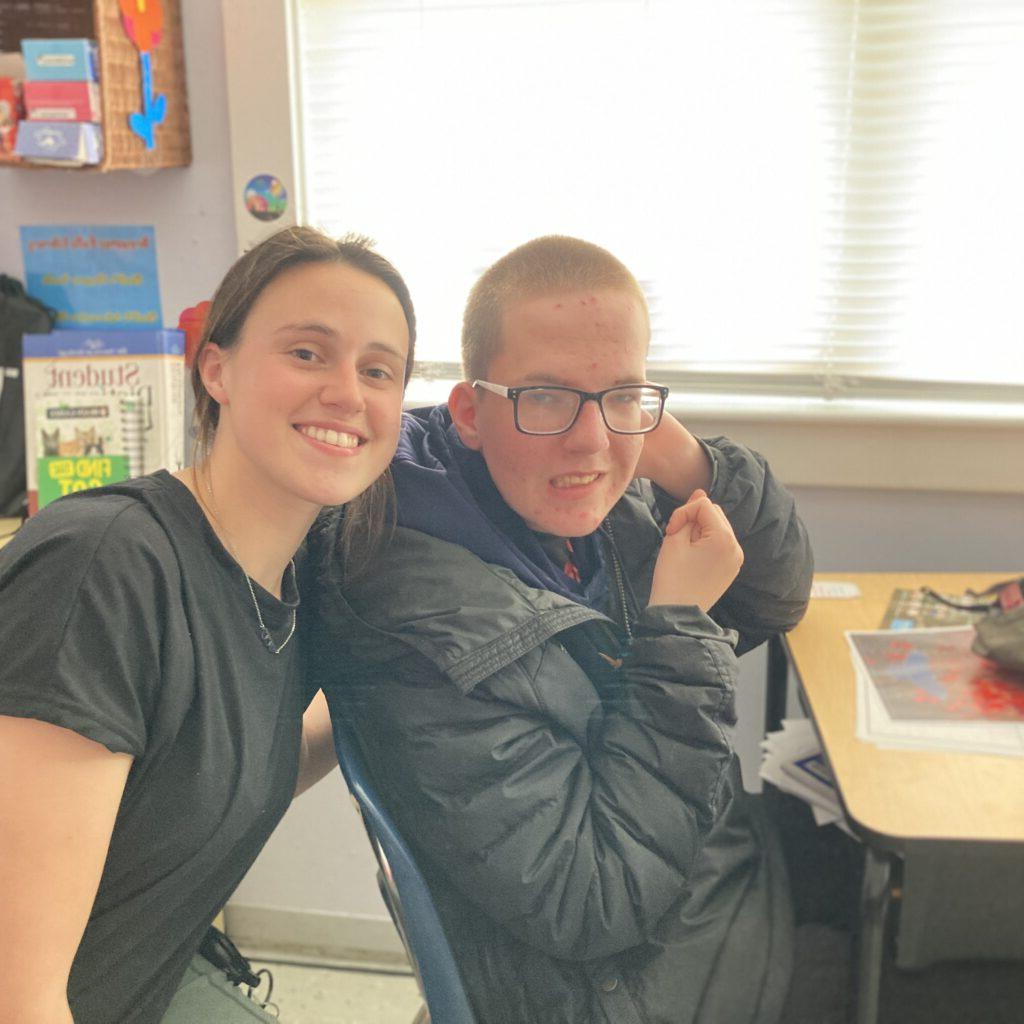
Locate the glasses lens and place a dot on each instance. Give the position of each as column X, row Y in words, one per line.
column 632, row 410
column 546, row 410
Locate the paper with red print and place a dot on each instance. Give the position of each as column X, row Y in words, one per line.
column 933, row 674
column 926, row 689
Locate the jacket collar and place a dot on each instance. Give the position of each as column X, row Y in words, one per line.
column 445, row 490
column 467, row 618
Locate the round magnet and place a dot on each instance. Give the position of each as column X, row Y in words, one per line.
column 265, row 197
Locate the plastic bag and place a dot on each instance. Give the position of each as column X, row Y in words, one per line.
column 19, row 314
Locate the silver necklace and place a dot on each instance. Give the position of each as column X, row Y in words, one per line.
column 264, row 632
column 265, row 636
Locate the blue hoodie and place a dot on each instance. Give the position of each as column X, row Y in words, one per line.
column 445, row 490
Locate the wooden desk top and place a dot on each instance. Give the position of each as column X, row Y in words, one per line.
column 901, row 794
column 7, row 526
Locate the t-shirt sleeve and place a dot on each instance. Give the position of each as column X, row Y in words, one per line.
column 84, row 593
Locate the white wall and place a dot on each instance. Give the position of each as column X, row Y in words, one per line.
column 317, row 864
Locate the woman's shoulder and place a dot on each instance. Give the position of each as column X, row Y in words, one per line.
column 115, row 525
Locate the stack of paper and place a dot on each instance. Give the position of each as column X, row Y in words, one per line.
column 793, row 762
column 925, row 689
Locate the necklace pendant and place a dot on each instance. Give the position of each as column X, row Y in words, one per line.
column 264, row 633
column 268, row 640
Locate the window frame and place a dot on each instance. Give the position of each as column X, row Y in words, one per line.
column 897, row 442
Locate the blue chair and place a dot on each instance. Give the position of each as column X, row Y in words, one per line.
column 406, row 894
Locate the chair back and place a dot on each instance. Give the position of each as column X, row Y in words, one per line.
column 405, row 892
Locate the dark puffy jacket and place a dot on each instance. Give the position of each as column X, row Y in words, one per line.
column 581, row 823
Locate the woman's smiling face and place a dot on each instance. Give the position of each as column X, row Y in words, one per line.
column 311, row 394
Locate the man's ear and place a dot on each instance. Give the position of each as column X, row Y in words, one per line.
column 462, row 404
column 212, row 361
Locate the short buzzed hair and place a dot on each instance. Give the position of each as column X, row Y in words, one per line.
column 545, row 266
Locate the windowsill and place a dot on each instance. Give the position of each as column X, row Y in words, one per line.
column 913, row 445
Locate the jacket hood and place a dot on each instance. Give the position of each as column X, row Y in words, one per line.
column 445, row 490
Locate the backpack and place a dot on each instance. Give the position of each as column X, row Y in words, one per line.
column 19, row 315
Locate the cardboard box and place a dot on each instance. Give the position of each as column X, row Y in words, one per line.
column 11, row 113
column 64, row 143
column 101, row 406
column 60, row 60
column 62, row 101
column 12, row 65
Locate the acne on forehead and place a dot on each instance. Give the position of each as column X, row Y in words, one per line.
column 593, row 301
column 551, row 314
column 588, row 300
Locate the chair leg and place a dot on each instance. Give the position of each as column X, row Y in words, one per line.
column 422, row 1016
column 874, row 905
column 777, row 685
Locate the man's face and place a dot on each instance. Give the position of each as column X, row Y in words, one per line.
column 567, row 483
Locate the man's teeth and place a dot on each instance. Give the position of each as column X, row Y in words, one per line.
column 331, row 437
column 575, row 479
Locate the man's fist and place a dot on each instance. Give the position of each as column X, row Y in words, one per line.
column 699, row 558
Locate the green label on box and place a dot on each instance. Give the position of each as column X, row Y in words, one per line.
column 59, row 476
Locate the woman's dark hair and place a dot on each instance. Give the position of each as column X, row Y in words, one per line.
column 368, row 516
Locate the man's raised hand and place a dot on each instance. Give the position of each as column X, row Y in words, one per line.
column 699, row 558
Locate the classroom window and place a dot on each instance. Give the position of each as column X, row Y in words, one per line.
column 819, row 197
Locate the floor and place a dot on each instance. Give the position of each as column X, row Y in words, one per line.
column 345, row 994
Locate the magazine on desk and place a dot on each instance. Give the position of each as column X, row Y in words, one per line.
column 926, row 689
column 918, row 608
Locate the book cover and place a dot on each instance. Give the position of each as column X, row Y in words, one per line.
column 100, row 407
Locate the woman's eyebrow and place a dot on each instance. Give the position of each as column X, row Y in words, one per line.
column 310, row 325
column 318, row 328
column 383, row 346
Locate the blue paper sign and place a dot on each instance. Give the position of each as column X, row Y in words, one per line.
column 94, row 276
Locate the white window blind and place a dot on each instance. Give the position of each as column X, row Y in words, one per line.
column 819, row 196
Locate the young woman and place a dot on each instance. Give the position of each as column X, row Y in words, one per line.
column 151, row 704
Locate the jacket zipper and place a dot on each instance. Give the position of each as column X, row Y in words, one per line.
column 617, row 569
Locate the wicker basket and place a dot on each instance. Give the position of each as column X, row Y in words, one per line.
column 120, row 74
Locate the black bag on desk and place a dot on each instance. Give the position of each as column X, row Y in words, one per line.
column 19, row 315
column 999, row 633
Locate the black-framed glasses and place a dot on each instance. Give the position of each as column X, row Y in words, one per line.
column 553, row 409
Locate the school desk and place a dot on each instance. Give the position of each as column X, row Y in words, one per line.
column 7, row 527
column 955, row 820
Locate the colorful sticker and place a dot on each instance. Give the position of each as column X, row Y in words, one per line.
column 265, row 197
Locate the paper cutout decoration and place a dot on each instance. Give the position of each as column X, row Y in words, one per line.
column 143, row 22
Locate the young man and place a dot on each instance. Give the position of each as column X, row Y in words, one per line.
column 541, row 667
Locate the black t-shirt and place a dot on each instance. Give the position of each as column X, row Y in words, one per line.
column 123, row 618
